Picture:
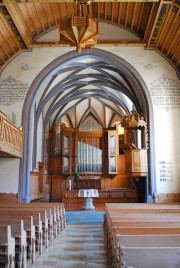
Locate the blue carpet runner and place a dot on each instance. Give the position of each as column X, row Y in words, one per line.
column 85, row 217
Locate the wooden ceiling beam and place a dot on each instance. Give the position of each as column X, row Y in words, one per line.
column 171, row 27
column 140, row 17
column 10, row 31
column 16, row 17
column 173, row 41
column 134, row 15
column 156, row 28
column 105, row 10
column 98, row 8
column 164, row 26
column 126, row 15
column 46, row 16
column 72, row 1
column 4, row 42
column 59, row 9
column 90, row 11
column 119, row 14
column 67, row 10
column 176, row 52
column 55, row 19
column 39, row 19
column 102, row 43
column 30, row 17
column 150, row 23
column 112, row 12
column 1, row 58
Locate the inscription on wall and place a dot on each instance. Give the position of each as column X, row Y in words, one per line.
column 166, row 93
column 165, row 168
column 12, row 91
column 150, row 66
column 26, row 67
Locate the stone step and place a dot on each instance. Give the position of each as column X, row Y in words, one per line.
column 77, row 246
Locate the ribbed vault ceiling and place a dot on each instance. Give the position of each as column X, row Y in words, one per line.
column 88, row 87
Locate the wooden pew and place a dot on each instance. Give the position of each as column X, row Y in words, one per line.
column 57, row 210
column 47, row 220
column 18, row 232
column 7, row 247
column 138, row 220
column 51, row 222
column 30, row 232
column 142, row 206
column 113, row 220
column 42, row 220
column 148, row 251
column 165, row 257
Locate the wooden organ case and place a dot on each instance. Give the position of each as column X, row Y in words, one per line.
column 135, row 143
column 136, row 150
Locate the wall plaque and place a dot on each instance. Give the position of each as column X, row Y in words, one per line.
column 165, row 169
column 12, row 91
column 166, row 93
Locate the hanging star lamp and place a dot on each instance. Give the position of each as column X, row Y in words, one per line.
column 79, row 30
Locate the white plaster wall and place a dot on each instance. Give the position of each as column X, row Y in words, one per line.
column 167, row 127
column 107, row 32
column 151, row 66
column 9, row 174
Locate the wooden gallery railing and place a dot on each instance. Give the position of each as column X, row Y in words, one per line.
column 11, row 138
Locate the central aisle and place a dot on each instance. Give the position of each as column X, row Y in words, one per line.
column 78, row 246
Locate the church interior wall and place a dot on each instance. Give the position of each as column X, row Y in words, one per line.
column 9, row 172
column 163, row 86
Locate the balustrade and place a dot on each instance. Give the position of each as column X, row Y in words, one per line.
column 11, row 138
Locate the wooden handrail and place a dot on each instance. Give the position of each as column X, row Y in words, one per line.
column 10, row 135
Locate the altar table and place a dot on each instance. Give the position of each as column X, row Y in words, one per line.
column 88, row 195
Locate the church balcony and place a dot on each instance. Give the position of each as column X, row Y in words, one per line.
column 11, row 139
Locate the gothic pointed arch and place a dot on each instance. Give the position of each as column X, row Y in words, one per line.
column 123, row 80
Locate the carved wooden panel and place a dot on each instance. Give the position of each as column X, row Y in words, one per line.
column 8, row 197
column 121, row 167
column 57, row 185
column 89, row 183
column 56, row 165
column 166, row 198
column 35, row 186
column 136, row 161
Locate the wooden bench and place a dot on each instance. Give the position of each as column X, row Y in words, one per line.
column 18, row 232
column 47, row 220
column 43, row 221
column 147, row 251
column 30, row 232
column 58, row 211
column 7, row 247
column 40, row 221
column 138, row 220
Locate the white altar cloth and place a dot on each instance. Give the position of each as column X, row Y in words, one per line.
column 88, row 194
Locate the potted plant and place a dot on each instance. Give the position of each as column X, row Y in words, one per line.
column 76, row 177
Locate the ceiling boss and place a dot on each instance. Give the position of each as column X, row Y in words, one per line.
column 79, row 30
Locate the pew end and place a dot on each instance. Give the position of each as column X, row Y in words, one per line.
column 7, row 247
column 149, row 257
